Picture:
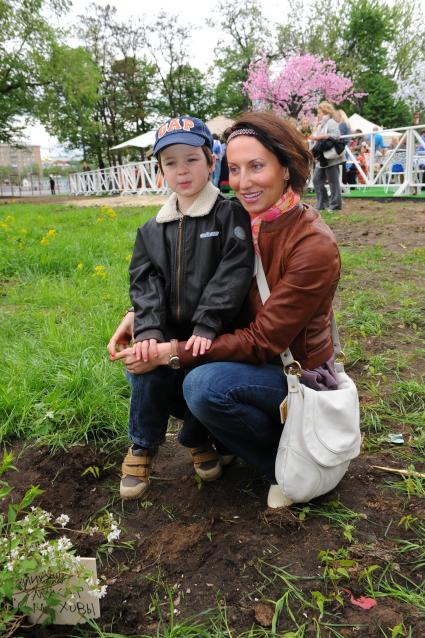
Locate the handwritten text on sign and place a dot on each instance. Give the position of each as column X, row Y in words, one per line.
column 72, row 610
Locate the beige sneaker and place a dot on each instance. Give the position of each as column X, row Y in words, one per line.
column 206, row 462
column 277, row 498
column 135, row 473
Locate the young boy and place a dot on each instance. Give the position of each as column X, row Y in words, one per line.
column 190, row 271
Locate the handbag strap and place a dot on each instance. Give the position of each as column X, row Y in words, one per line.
column 264, row 290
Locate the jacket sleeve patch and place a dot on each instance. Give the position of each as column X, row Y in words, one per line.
column 239, row 232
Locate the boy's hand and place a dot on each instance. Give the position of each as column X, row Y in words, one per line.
column 200, row 345
column 145, row 349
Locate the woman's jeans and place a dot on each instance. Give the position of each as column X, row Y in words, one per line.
column 154, row 397
column 238, row 404
column 329, row 174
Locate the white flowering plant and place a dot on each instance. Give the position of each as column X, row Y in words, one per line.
column 31, row 544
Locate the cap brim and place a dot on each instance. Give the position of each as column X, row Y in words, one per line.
column 190, row 139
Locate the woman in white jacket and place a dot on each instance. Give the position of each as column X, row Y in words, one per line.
column 327, row 128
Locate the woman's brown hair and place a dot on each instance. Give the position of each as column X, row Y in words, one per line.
column 283, row 140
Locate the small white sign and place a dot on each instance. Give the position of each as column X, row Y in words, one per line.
column 73, row 609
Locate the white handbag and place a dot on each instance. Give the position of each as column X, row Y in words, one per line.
column 321, row 432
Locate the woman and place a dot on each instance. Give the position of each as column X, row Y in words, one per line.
column 328, row 171
column 234, row 390
column 344, row 129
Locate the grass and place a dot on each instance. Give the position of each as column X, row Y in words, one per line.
column 65, row 292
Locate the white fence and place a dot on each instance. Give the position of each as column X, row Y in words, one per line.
column 137, row 178
column 398, row 169
column 401, row 169
column 33, row 185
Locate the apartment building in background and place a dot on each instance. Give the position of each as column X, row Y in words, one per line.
column 20, row 158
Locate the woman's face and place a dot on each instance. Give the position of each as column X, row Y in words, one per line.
column 255, row 174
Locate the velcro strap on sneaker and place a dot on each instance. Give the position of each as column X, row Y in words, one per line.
column 136, row 465
column 201, row 456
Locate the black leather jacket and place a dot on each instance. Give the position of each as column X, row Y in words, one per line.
column 189, row 274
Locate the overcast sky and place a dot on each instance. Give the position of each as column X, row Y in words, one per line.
column 194, row 12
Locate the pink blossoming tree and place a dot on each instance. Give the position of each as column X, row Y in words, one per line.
column 297, row 88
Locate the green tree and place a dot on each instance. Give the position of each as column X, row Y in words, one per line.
column 26, row 44
column 124, row 104
column 246, row 38
column 370, row 29
column 192, row 94
column 70, row 96
column 312, row 27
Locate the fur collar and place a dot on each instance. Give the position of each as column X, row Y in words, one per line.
column 200, row 207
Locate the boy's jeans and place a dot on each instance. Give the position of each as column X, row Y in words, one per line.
column 239, row 405
column 154, row 397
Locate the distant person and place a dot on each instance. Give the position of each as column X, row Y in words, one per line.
column 420, row 151
column 379, row 142
column 363, row 160
column 52, row 184
column 86, row 169
column 394, row 142
column 292, row 122
column 344, row 129
column 327, row 169
column 224, row 171
column 305, row 127
column 218, row 152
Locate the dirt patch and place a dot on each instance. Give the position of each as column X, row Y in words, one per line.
column 219, row 542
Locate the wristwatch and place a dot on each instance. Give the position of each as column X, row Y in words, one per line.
column 174, row 361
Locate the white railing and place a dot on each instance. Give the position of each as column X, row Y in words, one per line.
column 137, row 178
column 33, row 185
column 401, row 168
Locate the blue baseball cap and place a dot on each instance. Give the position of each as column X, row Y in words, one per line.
column 182, row 130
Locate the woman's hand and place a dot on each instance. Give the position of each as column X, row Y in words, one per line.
column 146, row 349
column 136, row 366
column 122, row 336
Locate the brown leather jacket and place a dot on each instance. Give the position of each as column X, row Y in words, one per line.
column 302, row 266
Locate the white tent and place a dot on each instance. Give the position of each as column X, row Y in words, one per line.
column 219, row 124
column 141, row 141
column 359, row 122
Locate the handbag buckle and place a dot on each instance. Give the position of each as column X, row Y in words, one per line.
column 293, row 368
column 341, row 357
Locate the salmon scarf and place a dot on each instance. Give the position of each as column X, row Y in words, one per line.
column 288, row 200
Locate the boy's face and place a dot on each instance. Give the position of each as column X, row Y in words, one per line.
column 186, row 170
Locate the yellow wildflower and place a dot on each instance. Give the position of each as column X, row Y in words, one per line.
column 52, row 232
column 99, row 271
column 44, row 241
column 128, row 257
column 80, row 266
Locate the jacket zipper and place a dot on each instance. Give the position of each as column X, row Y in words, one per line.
column 179, row 263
